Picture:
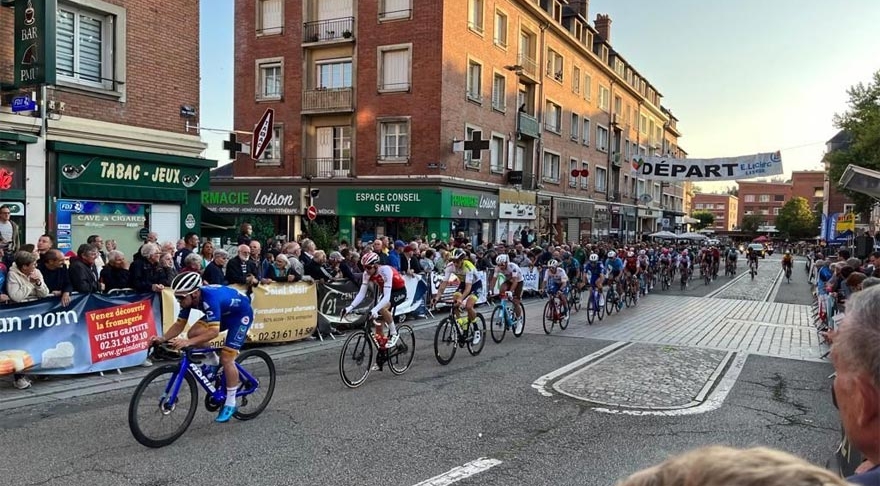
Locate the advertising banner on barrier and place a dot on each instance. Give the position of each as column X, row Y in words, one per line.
column 94, row 333
column 333, row 297
column 451, row 287
column 531, row 277
column 283, row 312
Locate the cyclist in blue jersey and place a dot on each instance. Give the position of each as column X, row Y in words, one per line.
column 614, row 266
column 595, row 275
column 225, row 309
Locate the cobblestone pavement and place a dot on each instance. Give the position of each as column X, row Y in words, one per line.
column 646, row 376
column 743, row 287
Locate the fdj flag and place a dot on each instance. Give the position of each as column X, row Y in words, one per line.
column 93, row 333
column 720, row 169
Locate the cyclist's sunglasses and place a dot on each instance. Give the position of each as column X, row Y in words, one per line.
column 370, row 266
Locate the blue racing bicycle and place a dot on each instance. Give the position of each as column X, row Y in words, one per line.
column 164, row 403
column 504, row 318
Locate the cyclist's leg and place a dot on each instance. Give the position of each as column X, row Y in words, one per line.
column 472, row 301
column 517, row 299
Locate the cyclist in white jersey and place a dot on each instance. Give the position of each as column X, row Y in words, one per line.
column 513, row 281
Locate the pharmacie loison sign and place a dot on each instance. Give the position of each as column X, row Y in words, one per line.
column 252, row 200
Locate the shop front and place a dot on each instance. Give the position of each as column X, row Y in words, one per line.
column 623, row 222
column 649, row 221
column 575, row 218
column 400, row 213
column 517, row 211
column 123, row 194
column 472, row 215
column 601, row 221
column 13, row 156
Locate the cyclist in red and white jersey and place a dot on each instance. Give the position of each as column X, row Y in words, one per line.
column 393, row 293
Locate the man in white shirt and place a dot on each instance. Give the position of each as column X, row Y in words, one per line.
column 9, row 234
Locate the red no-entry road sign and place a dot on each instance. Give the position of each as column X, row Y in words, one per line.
column 312, row 213
column 263, row 134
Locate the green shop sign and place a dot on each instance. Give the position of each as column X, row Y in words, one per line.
column 424, row 203
column 34, row 33
column 86, row 169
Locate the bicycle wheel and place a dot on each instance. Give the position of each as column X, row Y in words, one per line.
column 356, row 359
column 445, row 341
column 592, row 311
column 707, row 278
column 548, row 316
column 497, row 324
column 564, row 319
column 610, row 301
column 477, row 333
column 256, row 394
column 628, row 298
column 518, row 327
column 402, row 356
column 153, row 420
column 576, row 300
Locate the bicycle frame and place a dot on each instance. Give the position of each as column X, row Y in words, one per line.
column 217, row 393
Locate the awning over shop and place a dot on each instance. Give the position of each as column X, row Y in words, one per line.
column 212, row 220
column 17, row 137
column 861, row 180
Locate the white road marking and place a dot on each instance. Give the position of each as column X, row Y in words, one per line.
column 540, row 382
column 457, row 474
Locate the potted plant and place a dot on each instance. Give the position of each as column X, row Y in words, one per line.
column 346, row 33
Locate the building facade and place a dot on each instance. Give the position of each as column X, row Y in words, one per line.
column 724, row 207
column 107, row 150
column 762, row 198
column 444, row 117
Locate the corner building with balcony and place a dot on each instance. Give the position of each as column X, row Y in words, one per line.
column 109, row 152
column 435, row 117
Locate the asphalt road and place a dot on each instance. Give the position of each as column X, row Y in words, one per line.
column 404, row 430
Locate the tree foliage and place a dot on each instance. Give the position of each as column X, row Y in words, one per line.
column 706, row 219
column 751, row 222
column 796, row 219
column 732, row 190
column 862, row 122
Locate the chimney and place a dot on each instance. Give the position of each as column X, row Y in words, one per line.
column 582, row 7
column 603, row 27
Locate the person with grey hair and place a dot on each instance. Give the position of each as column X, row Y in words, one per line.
column 280, row 270
column 83, row 272
column 24, row 282
column 214, row 273
column 870, row 282
column 293, row 250
column 192, row 263
column 314, row 267
column 855, row 355
column 147, row 274
column 115, row 275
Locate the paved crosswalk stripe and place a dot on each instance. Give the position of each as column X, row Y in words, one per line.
column 461, row 472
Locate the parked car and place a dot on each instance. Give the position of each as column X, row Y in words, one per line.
column 758, row 248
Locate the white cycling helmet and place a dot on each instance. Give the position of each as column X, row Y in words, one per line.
column 186, row 283
column 641, row 252
column 502, row 259
column 458, row 254
column 612, row 254
column 553, row 263
column 369, row 258
column 594, row 257
column 630, row 254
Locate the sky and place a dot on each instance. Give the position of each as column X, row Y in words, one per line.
column 742, row 76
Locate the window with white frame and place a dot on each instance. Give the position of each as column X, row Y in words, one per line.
column 640, row 187
column 604, row 98
column 764, row 198
column 643, row 124
column 474, row 81
column 588, row 87
column 270, row 73
column 585, row 130
column 499, row 92
column 333, row 74
column 618, row 106
column 626, row 185
column 395, row 9
column 475, row 15
column 698, row 206
column 776, row 211
column 573, row 165
column 270, row 18
column 394, row 139
column 749, row 198
column 86, row 43
column 585, row 169
column 710, row 206
column 551, row 167
column 657, row 192
column 553, row 117
column 764, row 212
column 601, row 174
column 576, row 80
column 273, row 152
column 575, row 131
column 601, row 138
column 555, row 65
column 496, row 151
column 500, row 35
column 394, row 68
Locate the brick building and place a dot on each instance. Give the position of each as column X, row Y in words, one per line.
column 376, row 103
column 724, row 207
column 762, row 198
column 111, row 154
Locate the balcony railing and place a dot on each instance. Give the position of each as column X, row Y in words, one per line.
column 322, row 100
column 329, row 30
column 528, row 125
column 529, row 66
column 327, row 167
